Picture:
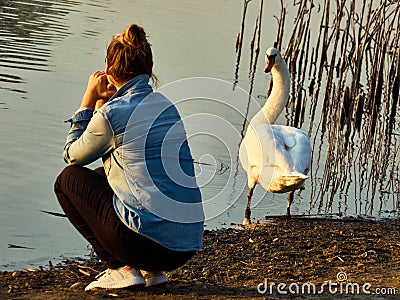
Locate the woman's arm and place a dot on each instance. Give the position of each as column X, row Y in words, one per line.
column 87, row 144
column 90, row 136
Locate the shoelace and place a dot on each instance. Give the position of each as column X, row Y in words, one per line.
column 107, row 271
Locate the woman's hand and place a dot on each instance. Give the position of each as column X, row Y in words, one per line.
column 97, row 89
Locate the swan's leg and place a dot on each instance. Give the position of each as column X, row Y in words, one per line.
column 289, row 202
column 247, row 213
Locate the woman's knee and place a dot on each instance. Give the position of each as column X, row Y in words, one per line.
column 62, row 177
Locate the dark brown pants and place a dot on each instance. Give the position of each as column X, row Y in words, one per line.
column 87, row 200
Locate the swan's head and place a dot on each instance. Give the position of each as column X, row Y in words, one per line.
column 272, row 58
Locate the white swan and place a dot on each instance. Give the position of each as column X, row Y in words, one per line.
column 275, row 156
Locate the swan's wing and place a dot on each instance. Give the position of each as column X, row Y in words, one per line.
column 296, row 144
column 257, row 150
column 274, row 156
column 292, row 160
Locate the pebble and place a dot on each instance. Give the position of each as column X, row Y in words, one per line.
column 16, row 273
column 76, row 285
column 369, row 253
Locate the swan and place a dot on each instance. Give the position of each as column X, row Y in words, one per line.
column 276, row 157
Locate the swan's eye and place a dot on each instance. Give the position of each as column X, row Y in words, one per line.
column 272, row 56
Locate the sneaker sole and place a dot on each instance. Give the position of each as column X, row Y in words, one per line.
column 139, row 282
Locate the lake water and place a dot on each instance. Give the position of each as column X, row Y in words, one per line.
column 47, row 51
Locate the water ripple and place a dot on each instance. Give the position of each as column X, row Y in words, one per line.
column 27, row 30
column 11, row 78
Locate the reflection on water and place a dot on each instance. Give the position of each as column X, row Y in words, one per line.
column 26, row 30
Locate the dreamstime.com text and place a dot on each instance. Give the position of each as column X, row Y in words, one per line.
column 342, row 287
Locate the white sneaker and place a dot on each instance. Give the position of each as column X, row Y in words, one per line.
column 118, row 278
column 154, row 278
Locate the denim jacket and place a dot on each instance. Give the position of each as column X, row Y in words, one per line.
column 142, row 141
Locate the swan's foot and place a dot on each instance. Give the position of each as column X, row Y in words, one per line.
column 246, row 221
column 290, row 201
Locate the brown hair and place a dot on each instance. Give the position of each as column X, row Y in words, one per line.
column 129, row 54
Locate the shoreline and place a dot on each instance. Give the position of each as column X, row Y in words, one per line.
column 237, row 262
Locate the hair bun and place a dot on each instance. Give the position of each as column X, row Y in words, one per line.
column 134, row 36
column 129, row 54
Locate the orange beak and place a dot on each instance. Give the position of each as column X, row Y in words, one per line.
column 270, row 61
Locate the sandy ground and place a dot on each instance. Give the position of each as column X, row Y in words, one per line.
column 250, row 262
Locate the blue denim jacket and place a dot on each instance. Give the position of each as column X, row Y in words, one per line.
column 142, row 141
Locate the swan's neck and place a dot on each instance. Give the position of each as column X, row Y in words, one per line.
column 279, row 96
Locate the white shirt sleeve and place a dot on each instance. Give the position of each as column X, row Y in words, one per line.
column 86, row 144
